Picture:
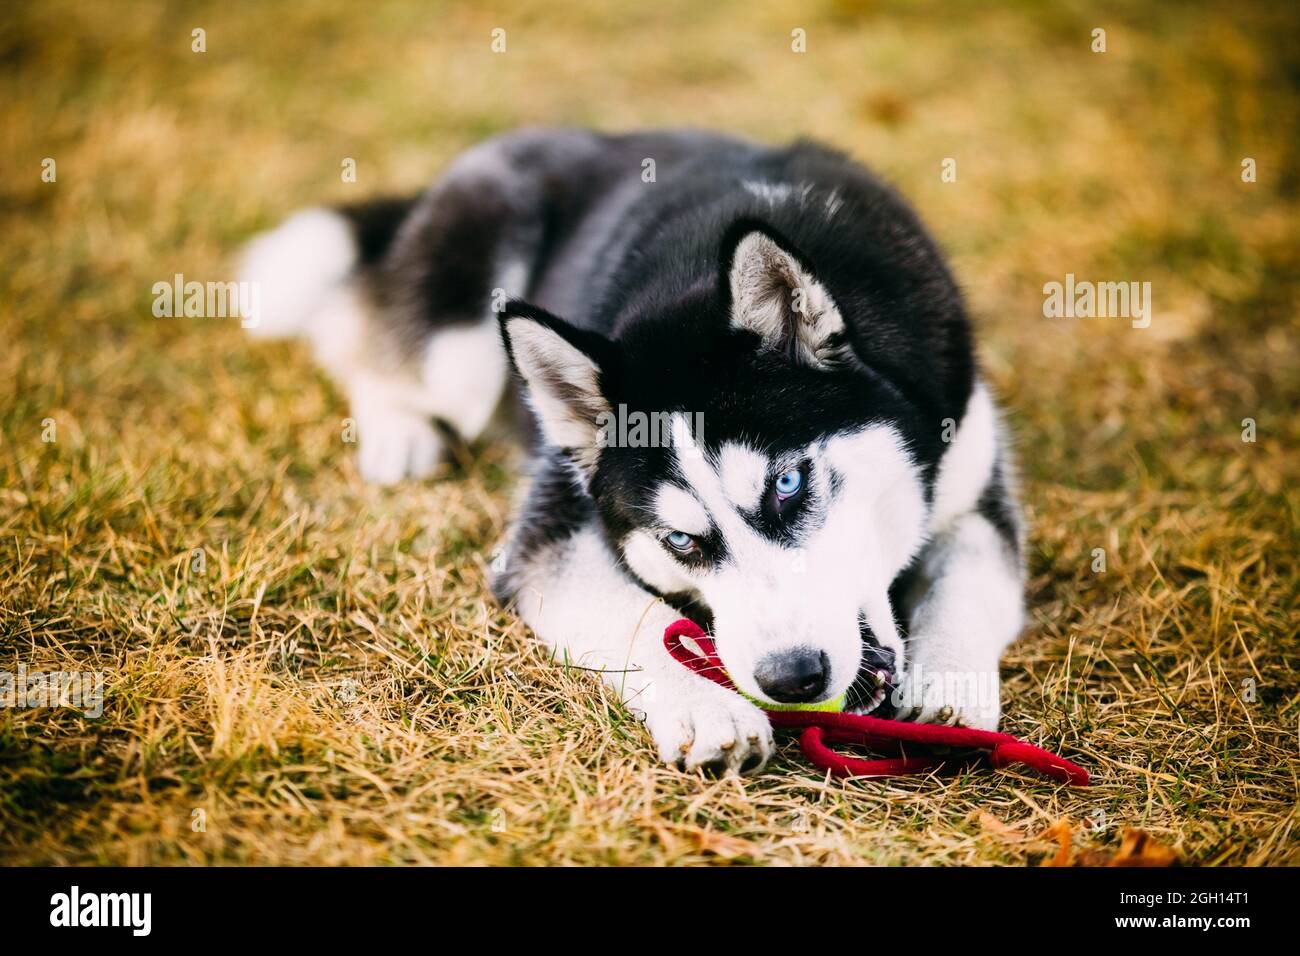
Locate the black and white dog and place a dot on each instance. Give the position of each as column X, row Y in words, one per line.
column 835, row 498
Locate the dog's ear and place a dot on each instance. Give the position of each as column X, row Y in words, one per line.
column 562, row 368
column 772, row 291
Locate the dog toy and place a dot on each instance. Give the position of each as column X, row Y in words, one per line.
column 824, row 724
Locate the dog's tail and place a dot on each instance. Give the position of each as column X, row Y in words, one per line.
column 298, row 264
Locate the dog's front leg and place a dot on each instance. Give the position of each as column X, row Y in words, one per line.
column 577, row 600
column 968, row 606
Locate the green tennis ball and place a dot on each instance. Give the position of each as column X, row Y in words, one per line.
column 834, row 705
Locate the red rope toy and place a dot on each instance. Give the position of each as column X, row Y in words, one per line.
column 823, row 727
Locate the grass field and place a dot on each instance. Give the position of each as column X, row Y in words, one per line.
column 330, row 683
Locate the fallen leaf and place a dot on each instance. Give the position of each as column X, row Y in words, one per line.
column 1060, row 832
column 1139, row 848
column 724, row 846
column 704, row 841
column 996, row 828
column 1136, row 848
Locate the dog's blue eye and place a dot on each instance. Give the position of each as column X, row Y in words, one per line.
column 680, row 541
column 788, row 484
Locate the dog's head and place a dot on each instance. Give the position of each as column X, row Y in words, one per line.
column 743, row 458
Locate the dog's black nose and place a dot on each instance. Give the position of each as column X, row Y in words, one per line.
column 794, row 677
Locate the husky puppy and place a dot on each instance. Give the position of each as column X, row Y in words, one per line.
column 823, row 483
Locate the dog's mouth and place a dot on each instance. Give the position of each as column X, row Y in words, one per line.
column 876, row 680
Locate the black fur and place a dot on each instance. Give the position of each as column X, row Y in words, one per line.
column 375, row 224
column 657, row 319
column 634, row 273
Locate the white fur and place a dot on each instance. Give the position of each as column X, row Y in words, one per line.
column 464, row 374
column 645, row 553
column 744, row 475
column 775, row 193
column 548, row 364
column 576, row 599
column 881, row 519
column 967, row 465
column 969, row 603
column 970, row 609
column 459, row 381
column 340, row 333
column 304, row 268
column 767, row 597
column 394, row 442
column 775, row 297
column 770, row 192
column 678, row 510
column 295, row 266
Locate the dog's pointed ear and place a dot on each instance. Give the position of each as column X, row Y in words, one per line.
column 772, row 291
column 563, row 370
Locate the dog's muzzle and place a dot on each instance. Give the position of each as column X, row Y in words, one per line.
column 877, row 678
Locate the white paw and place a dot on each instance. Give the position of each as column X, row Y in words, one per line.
column 396, row 445
column 950, row 694
column 703, row 726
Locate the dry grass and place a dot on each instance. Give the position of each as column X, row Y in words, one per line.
column 335, row 687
